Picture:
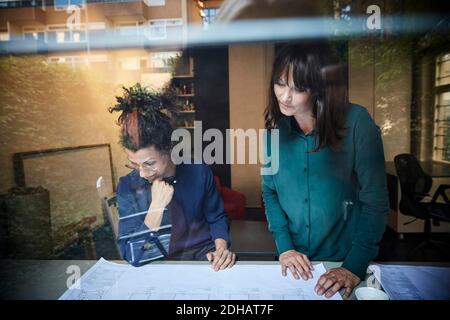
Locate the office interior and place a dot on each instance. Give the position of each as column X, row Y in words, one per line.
column 64, row 61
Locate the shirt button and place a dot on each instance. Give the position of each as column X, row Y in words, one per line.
column 307, row 226
column 304, row 169
column 306, row 199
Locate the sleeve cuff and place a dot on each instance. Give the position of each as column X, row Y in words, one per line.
column 283, row 242
column 221, row 235
column 357, row 262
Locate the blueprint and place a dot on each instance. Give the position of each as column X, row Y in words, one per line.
column 403, row 282
column 112, row 281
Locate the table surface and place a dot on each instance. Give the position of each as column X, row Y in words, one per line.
column 46, row 279
column 252, row 239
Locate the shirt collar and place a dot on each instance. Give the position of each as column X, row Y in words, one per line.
column 292, row 127
column 137, row 182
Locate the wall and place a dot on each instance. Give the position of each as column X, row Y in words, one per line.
column 193, row 13
column 250, row 67
column 380, row 79
column 388, row 101
column 53, row 106
column 63, row 107
column 382, row 83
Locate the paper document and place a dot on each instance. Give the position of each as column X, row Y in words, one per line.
column 107, row 280
column 413, row 282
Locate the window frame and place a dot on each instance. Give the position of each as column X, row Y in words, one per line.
column 439, row 89
column 149, row 23
column 138, row 25
column 159, row 3
column 57, row 7
column 62, row 27
column 32, row 30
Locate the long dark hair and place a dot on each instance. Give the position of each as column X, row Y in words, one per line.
column 314, row 69
column 146, row 117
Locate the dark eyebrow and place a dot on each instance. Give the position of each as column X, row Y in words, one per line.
column 146, row 162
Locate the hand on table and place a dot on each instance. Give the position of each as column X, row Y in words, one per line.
column 297, row 263
column 221, row 258
column 335, row 279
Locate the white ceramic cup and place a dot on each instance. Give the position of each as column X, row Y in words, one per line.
column 369, row 293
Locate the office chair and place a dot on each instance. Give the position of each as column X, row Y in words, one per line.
column 415, row 185
column 109, row 208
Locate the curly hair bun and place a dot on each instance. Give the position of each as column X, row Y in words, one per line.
column 146, row 117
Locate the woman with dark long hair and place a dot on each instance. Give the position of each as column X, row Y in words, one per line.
column 158, row 193
column 328, row 199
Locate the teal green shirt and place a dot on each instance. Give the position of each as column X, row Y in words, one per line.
column 329, row 205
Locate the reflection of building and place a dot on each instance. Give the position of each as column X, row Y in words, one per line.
column 119, row 41
column 86, row 34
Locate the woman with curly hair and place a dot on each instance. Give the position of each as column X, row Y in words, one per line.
column 157, row 192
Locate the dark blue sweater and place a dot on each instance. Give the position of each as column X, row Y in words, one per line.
column 196, row 212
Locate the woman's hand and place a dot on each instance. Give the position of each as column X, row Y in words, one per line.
column 297, row 263
column 221, row 258
column 334, row 280
column 162, row 194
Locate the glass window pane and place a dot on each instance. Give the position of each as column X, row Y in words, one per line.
column 79, row 3
column 61, row 4
column 4, row 36
column 443, row 70
column 60, row 36
column 157, row 29
column 155, row 3
column 442, row 128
